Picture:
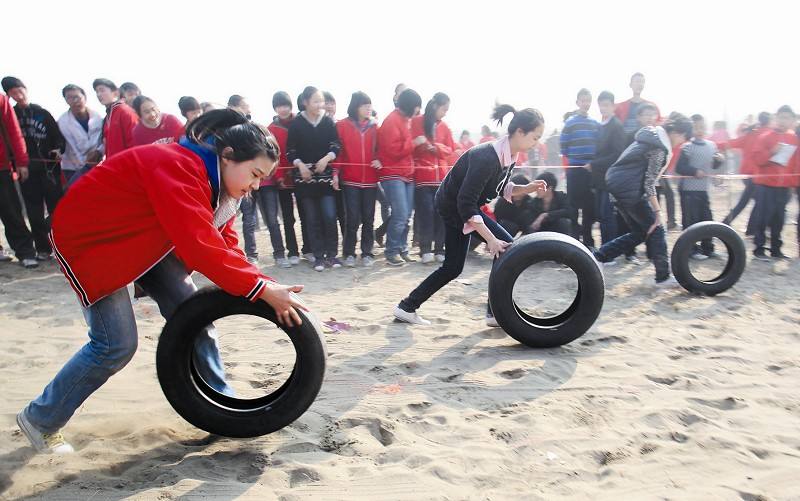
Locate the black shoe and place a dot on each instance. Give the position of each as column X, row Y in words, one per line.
column 407, row 258
column 394, row 260
column 780, row 256
column 760, row 255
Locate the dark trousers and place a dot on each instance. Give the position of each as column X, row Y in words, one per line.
column 267, row 199
column 455, row 255
column 429, row 225
column 41, row 189
column 286, row 199
column 696, row 207
column 249, row 210
column 559, row 225
column 319, row 211
column 747, row 195
column 606, row 216
column 639, row 217
column 386, row 212
column 581, row 197
column 769, row 212
column 18, row 235
column 359, row 206
column 665, row 188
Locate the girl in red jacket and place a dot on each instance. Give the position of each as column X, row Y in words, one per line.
column 431, row 159
column 167, row 209
column 154, row 126
column 358, row 176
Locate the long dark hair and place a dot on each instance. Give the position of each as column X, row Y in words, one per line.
column 304, row 96
column 230, row 128
column 437, row 101
column 526, row 120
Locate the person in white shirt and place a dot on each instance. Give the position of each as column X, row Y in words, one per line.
column 82, row 129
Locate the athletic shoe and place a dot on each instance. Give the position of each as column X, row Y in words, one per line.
column 427, row 258
column 319, row 265
column 760, row 255
column 491, row 321
column 633, row 260
column 4, row 258
column 350, row 261
column 395, row 260
column 672, row 226
column 252, row 259
column 698, row 256
column 440, row 258
column 294, row 260
column 407, row 258
column 411, row 318
column 780, row 256
column 608, row 264
column 282, row 262
column 367, row 261
column 30, row 263
column 309, row 257
column 44, row 256
column 53, row 443
column 333, row 262
column 669, row 283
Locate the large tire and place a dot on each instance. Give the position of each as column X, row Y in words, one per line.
column 568, row 325
column 219, row 414
column 737, row 258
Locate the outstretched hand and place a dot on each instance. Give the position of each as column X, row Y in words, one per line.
column 280, row 298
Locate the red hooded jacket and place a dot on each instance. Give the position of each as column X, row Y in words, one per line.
column 11, row 126
column 770, row 173
column 358, row 151
column 395, row 148
column 744, row 142
column 283, row 174
column 118, row 128
column 154, row 199
column 430, row 167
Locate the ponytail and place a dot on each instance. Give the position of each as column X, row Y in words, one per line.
column 437, row 101
column 526, row 120
column 220, row 129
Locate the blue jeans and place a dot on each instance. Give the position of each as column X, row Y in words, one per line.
column 430, row 226
column 639, row 217
column 249, row 225
column 319, row 211
column 267, row 198
column 606, row 216
column 112, row 342
column 400, row 196
column 360, row 211
column 455, row 255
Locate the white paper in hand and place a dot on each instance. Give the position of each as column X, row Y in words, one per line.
column 784, row 154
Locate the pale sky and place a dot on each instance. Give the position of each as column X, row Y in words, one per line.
column 722, row 59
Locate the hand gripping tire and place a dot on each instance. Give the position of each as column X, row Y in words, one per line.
column 220, row 414
column 564, row 327
column 684, row 246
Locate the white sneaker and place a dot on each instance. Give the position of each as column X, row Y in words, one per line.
column 53, row 443
column 491, row 321
column 440, row 258
column 411, row 318
column 698, row 256
column 608, row 264
column 669, row 283
column 30, row 263
column 427, row 258
column 350, row 261
column 633, row 260
column 367, row 261
column 308, row 257
column 5, row 257
column 294, row 260
column 282, row 262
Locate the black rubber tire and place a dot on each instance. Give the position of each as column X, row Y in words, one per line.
column 568, row 325
column 737, row 258
column 220, row 414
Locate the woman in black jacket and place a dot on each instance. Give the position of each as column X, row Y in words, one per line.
column 480, row 175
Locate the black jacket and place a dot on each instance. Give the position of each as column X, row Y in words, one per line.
column 309, row 144
column 41, row 134
column 476, row 178
column 625, row 179
column 611, row 142
column 532, row 207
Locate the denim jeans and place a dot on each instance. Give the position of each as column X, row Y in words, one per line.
column 579, row 193
column 606, row 216
column 360, row 211
column 112, row 342
column 639, row 217
column 249, row 225
column 769, row 212
column 319, row 210
column 267, row 198
column 455, row 255
column 400, row 196
column 430, row 225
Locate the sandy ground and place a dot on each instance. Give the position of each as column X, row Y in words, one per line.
column 668, row 396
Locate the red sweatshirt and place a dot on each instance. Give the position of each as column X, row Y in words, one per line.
column 430, row 167
column 358, row 147
column 118, row 128
column 169, row 130
column 744, row 142
column 623, row 109
column 770, row 173
column 155, row 199
column 283, row 174
column 395, row 148
column 11, row 126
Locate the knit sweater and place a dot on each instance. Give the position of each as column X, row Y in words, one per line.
column 696, row 155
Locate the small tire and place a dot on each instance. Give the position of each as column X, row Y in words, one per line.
column 564, row 327
column 684, row 246
column 220, row 414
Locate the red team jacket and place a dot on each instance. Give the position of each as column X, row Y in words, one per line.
column 283, row 174
column 118, row 128
column 358, row 151
column 125, row 215
column 430, row 168
column 395, row 148
column 770, row 173
column 11, row 126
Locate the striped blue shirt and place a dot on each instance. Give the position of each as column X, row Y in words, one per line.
column 579, row 139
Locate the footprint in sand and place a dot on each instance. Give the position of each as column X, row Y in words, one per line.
column 375, row 426
column 513, row 373
column 667, row 381
column 724, row 404
column 302, row 476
